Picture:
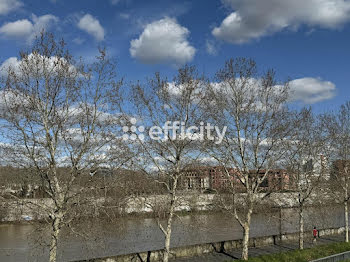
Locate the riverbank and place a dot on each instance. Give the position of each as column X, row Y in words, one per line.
column 143, row 206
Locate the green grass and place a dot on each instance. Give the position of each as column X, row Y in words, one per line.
column 303, row 255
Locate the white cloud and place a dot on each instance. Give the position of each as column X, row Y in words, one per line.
column 311, row 90
column 19, row 28
column 92, row 26
column 125, row 16
column 7, row 6
column 78, row 40
column 11, row 62
column 163, row 41
column 211, row 48
column 36, row 64
column 307, row 90
column 255, row 18
column 28, row 29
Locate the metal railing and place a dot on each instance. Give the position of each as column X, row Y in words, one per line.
column 334, row 258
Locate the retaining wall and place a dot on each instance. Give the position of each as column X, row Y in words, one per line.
column 200, row 249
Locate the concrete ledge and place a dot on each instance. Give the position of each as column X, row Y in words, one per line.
column 334, row 258
column 200, row 249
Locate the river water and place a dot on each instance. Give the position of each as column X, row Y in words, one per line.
column 26, row 242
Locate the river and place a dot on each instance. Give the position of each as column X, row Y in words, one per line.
column 26, row 242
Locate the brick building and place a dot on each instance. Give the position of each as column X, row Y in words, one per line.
column 216, row 178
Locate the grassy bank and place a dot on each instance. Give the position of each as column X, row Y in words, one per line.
column 303, row 255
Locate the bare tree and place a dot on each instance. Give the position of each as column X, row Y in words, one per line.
column 305, row 162
column 252, row 106
column 168, row 109
column 337, row 129
column 57, row 121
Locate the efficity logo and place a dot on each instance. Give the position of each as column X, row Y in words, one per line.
column 173, row 130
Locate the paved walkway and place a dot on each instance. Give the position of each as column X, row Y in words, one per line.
column 257, row 251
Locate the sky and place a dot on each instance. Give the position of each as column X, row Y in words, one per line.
column 306, row 42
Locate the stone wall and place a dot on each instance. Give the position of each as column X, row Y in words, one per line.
column 24, row 209
column 200, row 249
column 14, row 210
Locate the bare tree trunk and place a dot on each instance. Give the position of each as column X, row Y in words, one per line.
column 301, row 227
column 346, row 214
column 169, row 222
column 167, row 239
column 169, row 229
column 280, row 225
column 246, row 230
column 54, row 239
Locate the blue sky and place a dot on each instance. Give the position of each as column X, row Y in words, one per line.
column 306, row 41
